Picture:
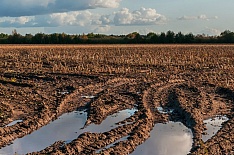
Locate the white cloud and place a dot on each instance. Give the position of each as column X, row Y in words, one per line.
column 187, row 18
column 75, row 18
column 200, row 17
column 143, row 16
column 145, row 31
column 22, row 20
column 16, row 21
column 99, row 23
column 211, row 31
column 72, row 18
column 204, row 17
column 105, row 19
column 123, row 17
column 102, row 29
column 105, row 3
column 17, row 8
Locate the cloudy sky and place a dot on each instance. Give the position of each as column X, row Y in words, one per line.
column 116, row 16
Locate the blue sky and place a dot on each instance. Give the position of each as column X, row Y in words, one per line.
column 116, row 16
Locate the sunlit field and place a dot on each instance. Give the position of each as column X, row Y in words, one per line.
column 156, row 84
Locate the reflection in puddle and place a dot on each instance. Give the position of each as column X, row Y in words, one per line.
column 113, row 144
column 109, row 122
column 88, row 97
column 164, row 111
column 64, row 92
column 66, row 128
column 14, row 122
column 167, row 139
column 213, row 125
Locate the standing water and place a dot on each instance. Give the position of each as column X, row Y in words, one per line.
column 14, row 122
column 172, row 138
column 66, row 128
column 213, row 125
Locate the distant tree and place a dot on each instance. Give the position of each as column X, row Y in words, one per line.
column 162, row 38
column 170, row 36
column 150, row 37
column 75, row 39
column 84, row 37
column 3, row 38
column 179, row 38
column 28, row 38
column 134, row 37
column 14, row 32
column 15, row 37
column 189, row 38
column 91, row 35
column 138, row 38
column 227, row 36
column 38, row 38
column 54, row 38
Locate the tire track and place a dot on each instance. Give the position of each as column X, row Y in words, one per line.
column 191, row 104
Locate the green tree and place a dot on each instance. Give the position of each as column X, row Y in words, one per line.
column 15, row 37
column 170, row 37
column 227, row 36
column 179, row 38
column 3, row 38
column 162, row 38
column 189, row 38
column 28, row 38
column 38, row 38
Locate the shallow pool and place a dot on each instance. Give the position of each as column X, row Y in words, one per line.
column 213, row 125
column 66, row 128
column 172, row 138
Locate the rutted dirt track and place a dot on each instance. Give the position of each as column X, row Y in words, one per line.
column 40, row 83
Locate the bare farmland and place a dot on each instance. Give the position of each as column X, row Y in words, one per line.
column 40, row 83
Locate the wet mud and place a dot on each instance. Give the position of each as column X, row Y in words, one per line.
column 161, row 92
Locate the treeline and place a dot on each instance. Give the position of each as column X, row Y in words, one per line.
column 132, row 38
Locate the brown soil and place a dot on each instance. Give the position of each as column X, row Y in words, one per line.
column 194, row 80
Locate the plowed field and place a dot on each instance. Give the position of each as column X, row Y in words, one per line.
column 40, row 83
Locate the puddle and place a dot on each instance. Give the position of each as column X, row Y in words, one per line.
column 64, row 92
column 14, row 122
column 66, row 128
column 109, row 122
column 165, row 111
column 167, row 139
column 113, row 144
column 88, row 97
column 213, row 125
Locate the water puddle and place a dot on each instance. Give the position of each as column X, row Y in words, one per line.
column 14, row 122
column 66, row 128
column 113, row 144
column 213, row 125
column 167, row 139
column 88, row 97
column 110, row 122
column 64, row 92
column 165, row 111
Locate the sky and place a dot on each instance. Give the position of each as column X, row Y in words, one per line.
column 210, row 17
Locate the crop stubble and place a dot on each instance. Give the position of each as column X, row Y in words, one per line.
column 194, row 80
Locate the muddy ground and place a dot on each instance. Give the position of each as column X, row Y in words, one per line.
column 40, row 83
